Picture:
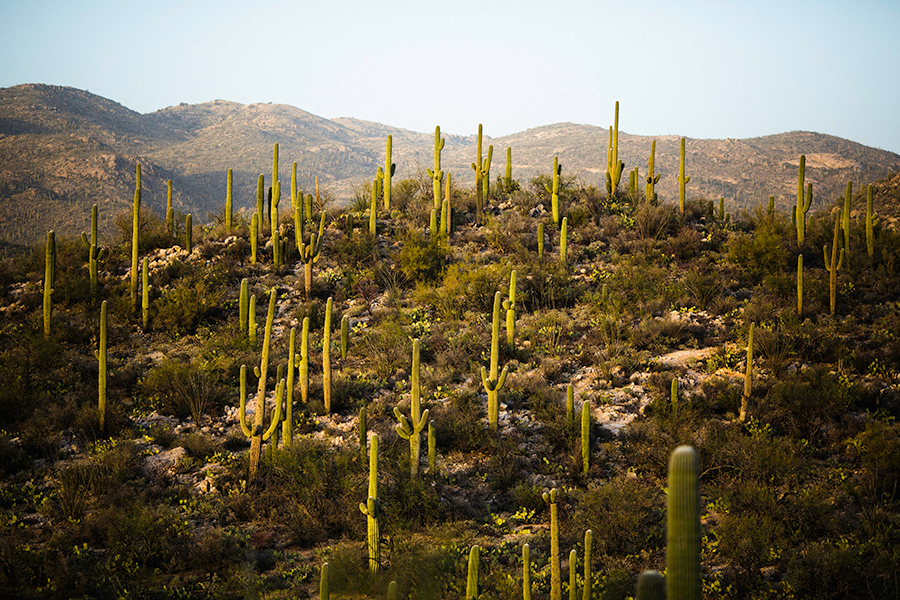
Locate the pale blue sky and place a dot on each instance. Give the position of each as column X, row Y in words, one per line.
column 705, row 69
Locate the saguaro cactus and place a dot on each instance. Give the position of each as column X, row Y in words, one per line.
column 540, row 241
column 309, row 254
column 228, row 201
column 49, row 279
column 95, row 254
column 273, row 215
column 833, row 264
column 170, row 212
column 135, row 229
column 345, row 337
column 564, row 241
column 478, row 167
column 446, row 214
column 614, row 166
column 287, row 427
column 588, row 542
column 389, row 169
column 870, row 221
column 650, row 586
column 254, row 238
column 411, row 429
column 845, row 225
column 371, row 509
column 553, row 190
column 509, row 305
column 101, row 359
column 437, row 175
column 585, row 436
column 145, row 293
column 326, row 358
column 526, row 572
column 652, row 179
column 324, row 584
column 555, row 575
column 573, row 574
column 304, row 360
column 472, row 576
column 748, row 376
column 493, row 382
column 683, row 526
column 188, row 234
column 682, row 180
column 244, row 306
column 800, row 286
column 803, row 203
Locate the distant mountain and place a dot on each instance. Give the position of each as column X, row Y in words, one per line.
column 63, row 149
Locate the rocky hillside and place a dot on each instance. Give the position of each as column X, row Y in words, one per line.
column 63, row 149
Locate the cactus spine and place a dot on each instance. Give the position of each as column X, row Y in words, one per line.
column 229, row 205
column 555, row 576
column 803, row 203
column 257, row 435
column 870, row 221
column 437, row 175
column 848, row 196
column 326, row 358
column 682, row 180
column 586, row 436
column 101, row 359
column 510, row 306
column 389, row 169
column 170, row 212
column 95, row 254
column 472, row 577
column 526, row 572
column 833, row 264
column 49, row 279
column 553, row 190
column 748, row 375
column 135, row 228
column 145, row 293
column 411, row 429
column 614, row 166
column 371, row 509
column 683, row 526
column 494, row 382
column 800, row 286
column 652, row 179
column 588, row 542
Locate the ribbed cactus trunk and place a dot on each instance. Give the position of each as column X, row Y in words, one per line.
column 326, row 358
column 683, row 526
column 101, row 377
column 472, row 576
column 135, row 229
column 437, row 174
column 261, row 372
column 555, row 573
column 389, row 168
column 494, row 382
column 682, row 180
column 411, row 429
column 803, row 202
column 229, row 203
column 371, row 509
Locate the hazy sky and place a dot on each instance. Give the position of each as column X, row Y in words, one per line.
column 702, row 69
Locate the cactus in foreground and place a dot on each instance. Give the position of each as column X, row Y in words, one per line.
column 683, row 526
column 256, row 434
column 555, row 576
column 492, row 381
column 437, row 175
column 145, row 293
column 650, row 586
column 188, row 234
column 614, row 166
column 573, row 574
column 135, row 229
column 682, row 180
column 553, row 190
column 800, row 286
column 95, row 254
column 229, row 204
column 586, row 436
column 472, row 576
column 371, row 509
column 326, row 358
column 324, row 589
column 49, row 279
column 411, row 429
column 509, row 305
column 833, row 264
column 652, row 179
column 803, row 202
column 564, row 241
column 748, row 375
column 540, row 241
column 870, row 221
column 389, row 169
column 244, row 306
column 526, row 572
column 588, row 542
column 304, row 360
column 101, row 359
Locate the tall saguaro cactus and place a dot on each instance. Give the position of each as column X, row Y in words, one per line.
column 803, row 202
column 479, row 167
column 326, row 358
column 411, row 429
column 586, row 436
column 135, row 228
column 553, row 190
column 652, row 179
column 95, row 254
column 833, row 264
column 229, row 204
column 555, row 575
column 145, row 293
column 100, row 353
column 287, row 427
column 472, row 574
column 614, row 166
column 683, row 526
column 437, row 175
column 509, row 305
column 389, row 169
column 371, row 509
column 870, row 221
column 588, row 542
column 309, row 254
column 682, row 180
column 493, row 382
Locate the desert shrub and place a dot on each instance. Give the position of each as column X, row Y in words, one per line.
column 182, row 308
column 422, row 259
column 460, row 422
column 762, row 253
column 355, row 250
column 182, row 389
column 385, row 349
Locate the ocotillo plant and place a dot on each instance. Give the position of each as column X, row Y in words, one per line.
column 588, row 542
column 287, row 427
column 95, row 254
column 371, row 509
column 614, row 166
column 845, row 225
column 135, row 229
column 803, row 203
column 145, row 293
column 229, row 201
column 493, row 382
column 309, row 254
column 800, row 286
column 833, row 263
column 437, row 175
column 586, row 436
column 411, row 429
column 555, row 576
column 553, row 190
column 683, row 526
column 326, row 358
column 652, row 179
column 256, row 434
column 509, row 305
column 870, row 221
column 101, row 359
column 49, row 279
column 748, row 376
column 389, row 169
column 170, row 212
column 682, row 180
column 472, row 575
column 526, row 572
